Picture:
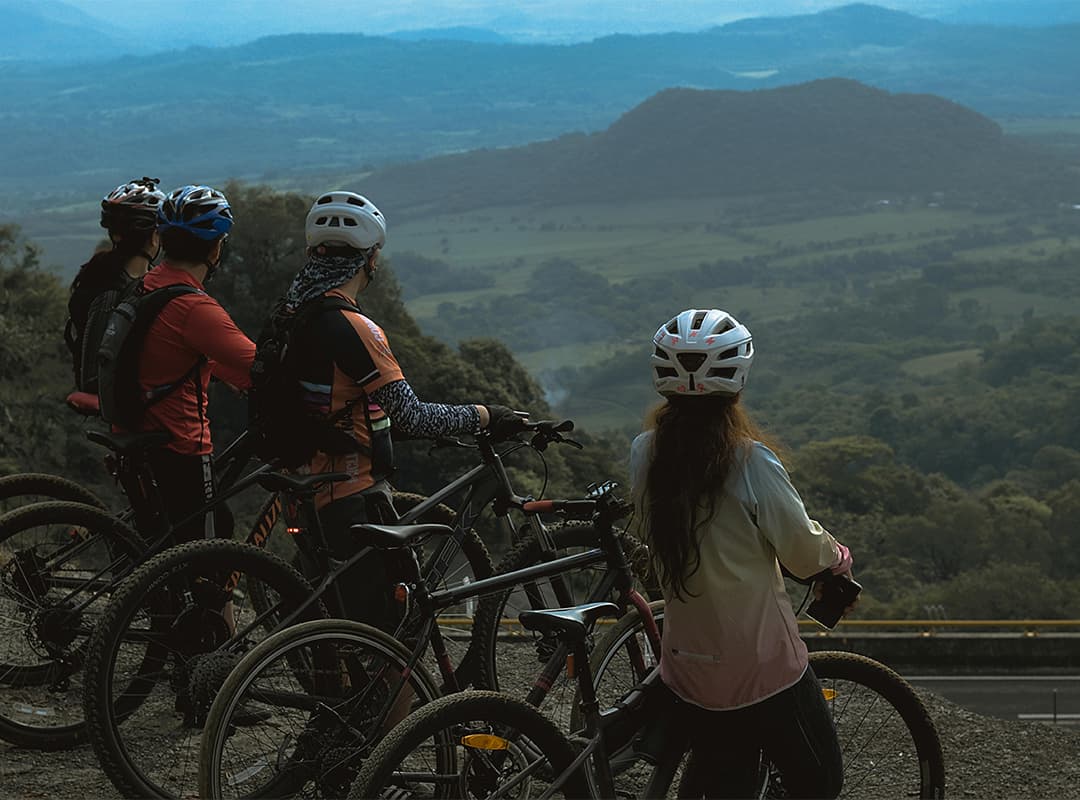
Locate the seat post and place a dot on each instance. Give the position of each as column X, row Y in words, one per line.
column 590, row 708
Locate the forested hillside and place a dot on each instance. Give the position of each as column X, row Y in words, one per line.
column 944, row 451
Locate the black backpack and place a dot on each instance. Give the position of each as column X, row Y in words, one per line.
column 123, row 400
column 284, row 430
column 85, row 344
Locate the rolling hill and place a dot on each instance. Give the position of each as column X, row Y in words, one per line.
column 281, row 107
column 824, row 137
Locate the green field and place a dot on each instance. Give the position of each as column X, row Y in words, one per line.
column 628, row 241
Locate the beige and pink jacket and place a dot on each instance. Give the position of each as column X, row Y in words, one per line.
column 732, row 640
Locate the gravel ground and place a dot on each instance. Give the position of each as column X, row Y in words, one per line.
column 984, row 758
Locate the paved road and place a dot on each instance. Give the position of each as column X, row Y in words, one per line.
column 1031, row 697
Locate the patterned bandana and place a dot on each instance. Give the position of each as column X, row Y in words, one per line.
column 320, row 275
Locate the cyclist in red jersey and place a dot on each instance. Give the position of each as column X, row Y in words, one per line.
column 192, row 339
column 349, row 373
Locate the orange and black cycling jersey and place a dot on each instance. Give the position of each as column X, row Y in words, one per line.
column 343, row 357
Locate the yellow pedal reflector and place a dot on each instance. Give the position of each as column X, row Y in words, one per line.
column 485, row 741
column 830, row 694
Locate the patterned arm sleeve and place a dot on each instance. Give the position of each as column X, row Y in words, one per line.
column 414, row 417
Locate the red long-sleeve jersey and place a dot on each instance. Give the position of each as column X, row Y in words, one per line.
column 190, row 328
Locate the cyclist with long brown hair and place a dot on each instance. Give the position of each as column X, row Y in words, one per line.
column 720, row 516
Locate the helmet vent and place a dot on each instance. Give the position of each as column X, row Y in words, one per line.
column 661, row 354
column 691, row 362
column 320, row 221
column 699, row 317
column 724, row 325
column 356, row 201
column 673, row 326
column 666, row 372
column 722, row 372
column 324, row 200
column 350, row 222
column 731, row 352
column 334, row 222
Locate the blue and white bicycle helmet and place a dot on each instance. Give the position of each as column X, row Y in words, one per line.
column 199, row 210
column 702, row 352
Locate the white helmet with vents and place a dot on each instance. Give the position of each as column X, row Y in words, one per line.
column 345, row 218
column 702, row 353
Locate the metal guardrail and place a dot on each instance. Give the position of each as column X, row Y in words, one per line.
column 915, row 627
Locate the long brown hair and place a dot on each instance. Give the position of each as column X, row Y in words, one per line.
column 696, row 443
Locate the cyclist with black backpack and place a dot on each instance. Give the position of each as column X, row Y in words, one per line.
column 327, row 386
column 129, row 215
column 187, row 337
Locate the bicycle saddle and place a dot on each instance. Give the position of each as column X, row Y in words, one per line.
column 387, row 537
column 130, row 444
column 569, row 625
column 84, row 403
column 299, row 484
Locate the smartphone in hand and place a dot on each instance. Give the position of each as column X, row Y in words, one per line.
column 837, row 593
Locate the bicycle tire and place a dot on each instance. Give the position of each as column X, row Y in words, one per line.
column 31, row 590
column 832, row 667
column 159, row 587
column 448, row 714
column 868, row 687
column 476, row 554
column 243, row 685
column 491, row 609
column 44, row 485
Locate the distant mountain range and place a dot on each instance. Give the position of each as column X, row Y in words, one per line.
column 330, row 104
column 824, row 137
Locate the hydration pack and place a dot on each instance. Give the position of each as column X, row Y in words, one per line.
column 287, row 431
column 123, row 400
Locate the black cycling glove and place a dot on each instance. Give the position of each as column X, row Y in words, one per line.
column 503, row 422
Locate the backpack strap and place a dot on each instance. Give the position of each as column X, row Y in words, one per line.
column 316, row 307
column 152, row 304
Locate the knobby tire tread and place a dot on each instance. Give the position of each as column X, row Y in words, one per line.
column 42, row 484
column 890, row 685
column 123, row 541
column 266, row 653
column 458, row 708
column 101, row 723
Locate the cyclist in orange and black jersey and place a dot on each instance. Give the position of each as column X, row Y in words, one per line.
column 349, row 374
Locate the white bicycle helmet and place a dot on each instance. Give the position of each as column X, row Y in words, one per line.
column 345, row 218
column 702, row 353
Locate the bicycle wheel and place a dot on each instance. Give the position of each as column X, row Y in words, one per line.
column 472, row 562
column 889, row 743
column 322, row 689
column 39, row 487
column 59, row 562
column 474, row 744
column 510, row 660
column 162, row 649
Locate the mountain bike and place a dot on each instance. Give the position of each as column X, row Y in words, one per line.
column 493, row 745
column 122, row 737
column 331, row 688
column 60, row 562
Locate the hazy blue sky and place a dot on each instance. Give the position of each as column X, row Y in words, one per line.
column 226, row 19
